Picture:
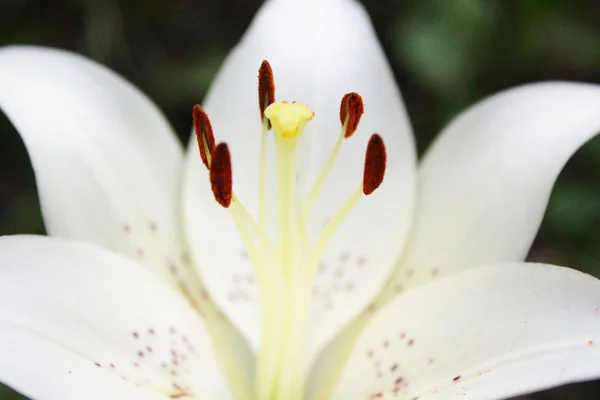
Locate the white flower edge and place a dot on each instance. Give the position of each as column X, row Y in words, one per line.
column 107, row 164
column 77, row 322
column 485, row 182
column 488, row 333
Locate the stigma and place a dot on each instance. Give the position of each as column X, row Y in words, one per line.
column 285, row 263
column 288, row 119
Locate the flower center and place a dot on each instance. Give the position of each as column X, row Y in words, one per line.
column 285, row 266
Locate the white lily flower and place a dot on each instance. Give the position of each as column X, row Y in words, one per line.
column 293, row 253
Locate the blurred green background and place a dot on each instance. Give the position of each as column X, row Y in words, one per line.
column 446, row 55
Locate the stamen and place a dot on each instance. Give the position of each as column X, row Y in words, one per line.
column 285, row 265
column 351, row 111
column 266, row 97
column 204, row 135
column 220, row 175
column 266, row 88
column 375, row 161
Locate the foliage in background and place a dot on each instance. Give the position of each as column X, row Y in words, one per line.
column 446, row 54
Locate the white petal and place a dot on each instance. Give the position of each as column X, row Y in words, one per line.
column 488, row 333
column 106, row 162
column 85, row 316
column 317, row 50
column 485, row 183
column 41, row 369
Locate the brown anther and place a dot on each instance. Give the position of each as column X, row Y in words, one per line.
column 351, row 109
column 204, row 135
column 266, row 88
column 374, row 164
column 220, row 175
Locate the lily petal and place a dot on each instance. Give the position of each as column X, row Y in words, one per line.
column 75, row 320
column 53, row 378
column 107, row 163
column 488, row 333
column 108, row 168
column 485, row 183
column 317, row 50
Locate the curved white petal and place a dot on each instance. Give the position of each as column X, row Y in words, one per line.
column 485, row 183
column 107, row 163
column 41, row 369
column 318, row 51
column 75, row 315
column 488, row 333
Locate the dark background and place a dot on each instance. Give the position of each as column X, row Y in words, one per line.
column 446, row 55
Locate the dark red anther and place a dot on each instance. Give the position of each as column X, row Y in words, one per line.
column 351, row 109
column 220, row 175
column 375, row 161
column 204, row 135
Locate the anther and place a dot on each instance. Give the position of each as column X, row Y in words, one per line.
column 266, row 88
column 351, row 110
column 204, row 135
column 220, row 175
column 375, row 160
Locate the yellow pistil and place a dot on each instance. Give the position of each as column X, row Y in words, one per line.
column 285, row 265
column 288, row 119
